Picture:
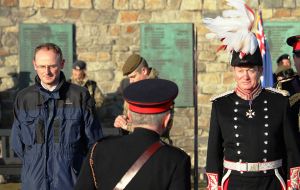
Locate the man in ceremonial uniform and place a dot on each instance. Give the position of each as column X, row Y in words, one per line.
column 140, row 160
column 292, row 85
column 253, row 142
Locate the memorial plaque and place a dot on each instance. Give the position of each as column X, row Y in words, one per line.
column 31, row 35
column 276, row 33
column 169, row 49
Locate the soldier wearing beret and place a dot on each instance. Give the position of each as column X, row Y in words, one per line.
column 80, row 78
column 136, row 69
column 140, row 160
column 253, row 141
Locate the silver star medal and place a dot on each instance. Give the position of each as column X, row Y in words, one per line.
column 250, row 113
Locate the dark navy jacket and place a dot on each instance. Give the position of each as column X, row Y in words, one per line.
column 270, row 135
column 51, row 134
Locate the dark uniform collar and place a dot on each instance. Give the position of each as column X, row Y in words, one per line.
column 55, row 93
column 139, row 131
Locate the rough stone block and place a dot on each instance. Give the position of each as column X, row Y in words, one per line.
column 228, row 78
column 23, row 13
column 26, row 3
column 136, row 4
column 7, row 72
column 114, row 30
column 279, row 13
column 43, row 3
column 210, row 5
column 73, row 14
column 145, row 16
column 88, row 56
column 216, row 67
column 12, row 60
column 289, row 4
column 164, row 16
column 267, row 13
column 61, row 4
column 272, row 3
column 5, row 21
column 207, row 56
column 81, row 4
column 295, row 12
column 298, row 3
column 53, row 13
column 4, row 52
column 128, row 16
column 121, row 4
column 203, row 99
column 9, row 3
column 104, row 56
column 252, row 3
column 7, row 83
column 90, row 16
column 191, row 5
column 108, row 17
column 210, row 78
column 155, row 4
column 103, row 4
column 188, row 16
column 173, row 4
column 213, row 89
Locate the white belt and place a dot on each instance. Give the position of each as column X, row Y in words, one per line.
column 252, row 167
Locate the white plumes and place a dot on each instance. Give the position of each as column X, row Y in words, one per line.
column 234, row 28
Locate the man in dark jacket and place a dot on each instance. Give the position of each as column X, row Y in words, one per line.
column 53, row 126
column 113, row 159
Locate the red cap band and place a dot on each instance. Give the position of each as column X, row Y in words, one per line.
column 150, row 109
column 296, row 46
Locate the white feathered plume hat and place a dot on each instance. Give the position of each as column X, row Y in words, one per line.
column 233, row 28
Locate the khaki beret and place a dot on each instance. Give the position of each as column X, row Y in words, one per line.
column 132, row 63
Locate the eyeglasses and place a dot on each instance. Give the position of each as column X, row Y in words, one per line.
column 43, row 67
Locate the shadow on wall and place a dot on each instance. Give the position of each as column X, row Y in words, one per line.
column 7, row 98
column 111, row 108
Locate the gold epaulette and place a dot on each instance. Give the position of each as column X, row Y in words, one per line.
column 283, row 92
column 221, row 95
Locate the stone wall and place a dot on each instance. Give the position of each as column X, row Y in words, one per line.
column 107, row 32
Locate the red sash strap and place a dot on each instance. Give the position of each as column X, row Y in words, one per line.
column 133, row 170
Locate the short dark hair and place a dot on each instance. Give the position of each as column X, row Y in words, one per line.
column 50, row 46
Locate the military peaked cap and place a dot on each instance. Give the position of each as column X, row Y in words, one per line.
column 294, row 41
column 151, row 96
column 282, row 57
column 132, row 63
column 79, row 65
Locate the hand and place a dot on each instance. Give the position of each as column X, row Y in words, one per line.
column 121, row 122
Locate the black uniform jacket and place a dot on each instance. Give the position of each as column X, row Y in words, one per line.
column 269, row 135
column 293, row 87
column 168, row 168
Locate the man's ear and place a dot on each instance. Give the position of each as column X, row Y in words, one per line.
column 144, row 71
column 62, row 64
column 34, row 66
column 166, row 119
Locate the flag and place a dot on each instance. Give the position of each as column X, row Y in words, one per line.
column 267, row 80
